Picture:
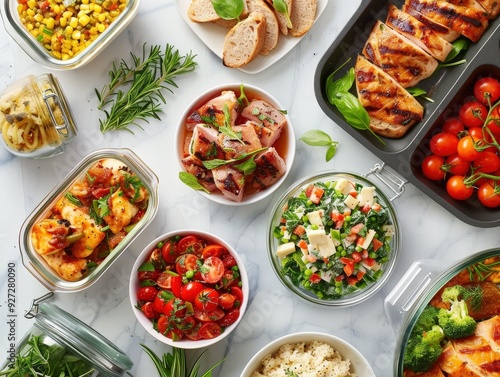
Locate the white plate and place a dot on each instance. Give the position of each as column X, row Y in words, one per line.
column 213, row 36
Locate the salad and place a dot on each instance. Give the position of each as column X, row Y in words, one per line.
column 334, row 238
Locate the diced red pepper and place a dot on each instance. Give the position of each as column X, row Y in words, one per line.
column 348, row 265
column 315, row 278
column 360, row 241
column 356, row 256
column 360, row 274
column 369, row 261
column 366, row 208
column 299, row 230
column 354, row 194
column 302, row 244
column 352, row 280
column 314, row 193
column 357, row 228
column 377, row 244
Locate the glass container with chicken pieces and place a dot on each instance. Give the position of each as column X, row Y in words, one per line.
column 90, row 221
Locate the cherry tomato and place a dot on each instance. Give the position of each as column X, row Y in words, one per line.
column 210, row 330
column 190, row 290
column 228, row 260
column 186, row 262
column 487, row 162
column 163, row 324
column 194, row 333
column 230, row 278
column 466, row 149
column 457, row 189
column 168, row 280
column 177, row 307
column 226, row 301
column 212, row 270
column 212, row 315
column 489, row 194
column 230, row 317
column 147, row 293
column 238, row 293
column 453, row 126
column 174, row 334
column 148, row 310
column 161, row 300
column 432, row 167
column 494, row 124
column 443, row 144
column 148, row 275
column 487, row 90
column 187, row 323
column 170, row 251
column 456, row 165
column 473, row 114
column 207, row 299
column 213, row 251
column 191, row 245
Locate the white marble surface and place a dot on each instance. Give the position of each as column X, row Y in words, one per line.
column 428, row 231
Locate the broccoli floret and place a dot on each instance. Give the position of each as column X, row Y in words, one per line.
column 423, row 349
column 456, row 321
column 428, row 318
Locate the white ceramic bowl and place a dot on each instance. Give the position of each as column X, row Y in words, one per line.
column 359, row 364
column 286, row 141
column 148, row 324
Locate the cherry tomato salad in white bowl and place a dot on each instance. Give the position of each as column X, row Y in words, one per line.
column 188, row 289
column 333, row 239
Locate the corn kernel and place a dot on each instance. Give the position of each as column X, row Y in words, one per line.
column 56, row 8
column 68, row 30
column 31, row 4
column 101, row 28
column 84, row 20
column 73, row 22
column 67, row 14
column 101, row 17
column 76, row 34
column 97, row 8
column 63, row 22
column 50, row 23
column 38, row 17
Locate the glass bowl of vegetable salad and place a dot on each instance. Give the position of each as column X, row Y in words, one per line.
column 333, row 239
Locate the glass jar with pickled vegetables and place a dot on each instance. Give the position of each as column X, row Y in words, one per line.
column 35, row 118
column 58, row 344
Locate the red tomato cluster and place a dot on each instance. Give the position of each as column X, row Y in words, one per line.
column 465, row 153
column 190, row 288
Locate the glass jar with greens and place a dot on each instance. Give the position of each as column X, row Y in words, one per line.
column 58, row 344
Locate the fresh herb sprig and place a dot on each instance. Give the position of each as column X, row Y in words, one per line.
column 318, row 138
column 347, row 103
column 459, row 46
column 174, row 364
column 147, row 77
column 229, row 9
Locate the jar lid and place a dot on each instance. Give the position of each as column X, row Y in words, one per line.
column 82, row 340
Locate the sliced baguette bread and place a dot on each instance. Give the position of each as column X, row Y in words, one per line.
column 303, row 15
column 272, row 26
column 244, row 41
column 282, row 20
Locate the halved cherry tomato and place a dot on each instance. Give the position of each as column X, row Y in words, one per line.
column 238, row 293
column 193, row 333
column 170, row 281
column 213, row 251
column 230, row 318
column 170, row 251
column 226, row 301
column 212, row 315
column 186, row 262
column 210, row 330
column 186, row 324
column 212, row 270
column 207, row 299
column 191, row 245
column 148, row 310
column 190, row 290
column 148, row 275
column 163, row 325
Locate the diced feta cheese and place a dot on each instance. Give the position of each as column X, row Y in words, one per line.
column 316, row 236
column 366, row 196
column 327, row 249
column 316, row 217
column 326, row 275
column 368, row 239
column 374, row 267
column 388, row 229
column 351, row 202
column 285, row 249
column 344, row 186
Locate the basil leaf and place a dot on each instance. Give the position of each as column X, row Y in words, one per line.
column 458, row 46
column 342, row 85
column 247, row 167
column 417, row 92
column 282, row 7
column 330, row 153
column 316, row 138
column 228, row 9
column 191, row 181
column 352, row 110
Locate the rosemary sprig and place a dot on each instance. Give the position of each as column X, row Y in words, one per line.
column 146, row 77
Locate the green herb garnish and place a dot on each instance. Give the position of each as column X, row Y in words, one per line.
column 320, row 138
column 191, row 181
column 73, row 199
column 229, row 9
column 282, row 7
column 147, row 77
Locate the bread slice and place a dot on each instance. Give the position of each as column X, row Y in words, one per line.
column 282, row 20
column 303, row 15
column 272, row 26
column 244, row 41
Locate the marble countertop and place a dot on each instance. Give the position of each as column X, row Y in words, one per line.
column 428, row 231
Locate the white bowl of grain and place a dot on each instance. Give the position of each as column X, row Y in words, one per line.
column 308, row 353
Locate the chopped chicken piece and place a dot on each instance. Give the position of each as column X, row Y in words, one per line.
column 204, row 176
column 214, row 111
column 49, row 236
column 205, row 143
column 66, row 266
column 444, row 32
column 270, row 119
column 270, row 168
column 120, row 213
column 230, row 181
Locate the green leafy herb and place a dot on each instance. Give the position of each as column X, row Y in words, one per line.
column 417, row 92
column 215, row 163
column 347, row 103
column 174, row 364
column 146, row 77
column 135, row 183
column 229, row 9
column 459, row 45
column 191, row 181
column 40, row 359
column 290, row 373
column 320, row 138
column 73, row 199
column 99, row 209
column 242, row 99
column 282, row 7
column 247, row 166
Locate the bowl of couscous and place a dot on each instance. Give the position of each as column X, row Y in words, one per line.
column 308, row 353
column 66, row 34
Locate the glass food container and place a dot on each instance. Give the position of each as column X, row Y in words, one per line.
column 61, row 269
column 423, row 285
column 59, row 342
column 39, row 53
column 374, row 275
column 35, row 117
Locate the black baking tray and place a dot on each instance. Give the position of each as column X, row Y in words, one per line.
column 448, row 87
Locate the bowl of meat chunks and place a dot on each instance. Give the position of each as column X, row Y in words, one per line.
column 235, row 144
